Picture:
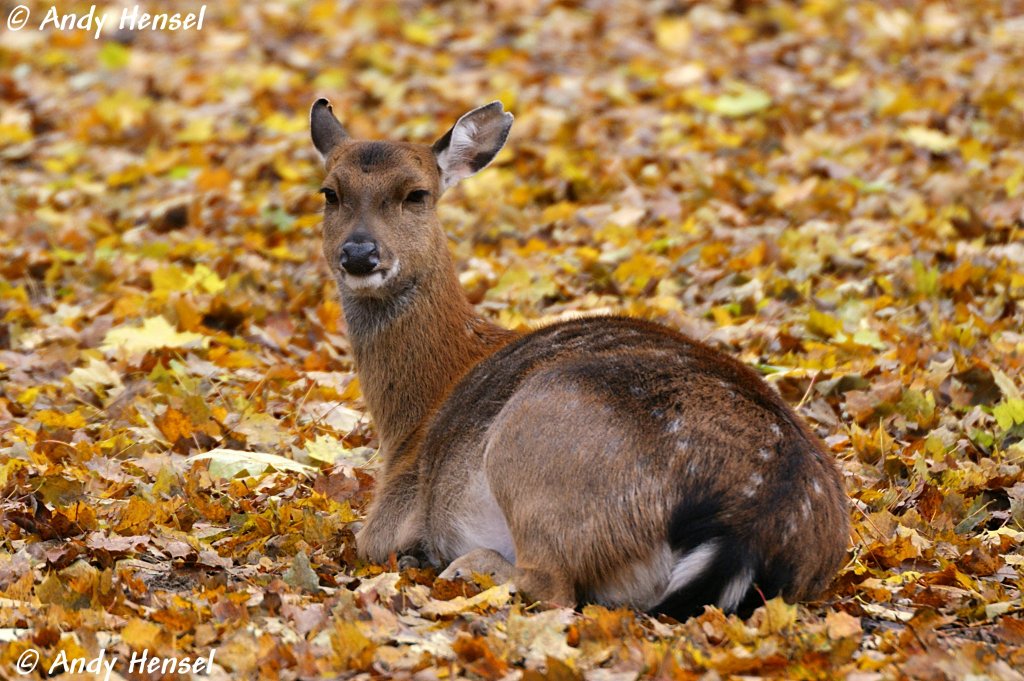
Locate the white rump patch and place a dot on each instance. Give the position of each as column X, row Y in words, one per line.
column 644, row 584
column 690, row 566
column 482, row 525
column 736, row 589
column 639, row 584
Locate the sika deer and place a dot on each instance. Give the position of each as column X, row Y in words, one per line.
column 603, row 459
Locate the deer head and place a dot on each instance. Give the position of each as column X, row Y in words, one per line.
column 381, row 234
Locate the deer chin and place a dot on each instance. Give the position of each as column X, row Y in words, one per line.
column 370, row 283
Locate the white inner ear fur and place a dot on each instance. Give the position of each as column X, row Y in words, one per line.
column 462, row 138
column 479, row 131
column 454, row 160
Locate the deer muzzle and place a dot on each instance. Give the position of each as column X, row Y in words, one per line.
column 359, row 257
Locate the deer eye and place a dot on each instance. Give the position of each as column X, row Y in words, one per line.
column 417, row 196
column 330, row 195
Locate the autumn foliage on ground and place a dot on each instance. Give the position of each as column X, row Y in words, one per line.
column 832, row 191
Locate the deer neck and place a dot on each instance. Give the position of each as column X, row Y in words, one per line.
column 411, row 350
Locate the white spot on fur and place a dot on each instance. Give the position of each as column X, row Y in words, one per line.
column 372, row 280
column 482, row 525
column 736, row 589
column 817, row 487
column 776, row 431
column 765, row 454
column 755, row 481
column 675, row 426
column 805, row 507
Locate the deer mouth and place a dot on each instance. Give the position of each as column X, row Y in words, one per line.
column 376, row 279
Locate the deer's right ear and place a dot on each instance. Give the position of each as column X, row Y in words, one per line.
column 472, row 143
column 325, row 128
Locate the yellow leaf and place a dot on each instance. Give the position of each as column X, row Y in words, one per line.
column 673, row 34
column 28, row 396
column 288, row 125
column 198, row 130
column 493, row 597
column 325, row 448
column 823, row 324
column 55, row 419
column 777, row 615
column 1014, row 183
column 14, row 134
column 353, row 649
column 419, row 34
column 634, row 274
column 141, row 635
column 168, row 280
column 929, row 139
column 154, row 333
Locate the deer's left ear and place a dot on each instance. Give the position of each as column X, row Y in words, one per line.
column 472, row 143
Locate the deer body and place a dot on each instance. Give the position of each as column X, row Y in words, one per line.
column 601, row 459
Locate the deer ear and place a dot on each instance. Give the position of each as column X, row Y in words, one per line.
column 472, row 143
column 325, row 128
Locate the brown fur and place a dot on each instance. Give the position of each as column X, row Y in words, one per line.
column 612, row 449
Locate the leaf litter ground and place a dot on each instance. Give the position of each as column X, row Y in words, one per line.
column 832, row 191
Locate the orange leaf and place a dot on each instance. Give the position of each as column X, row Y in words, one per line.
column 174, row 425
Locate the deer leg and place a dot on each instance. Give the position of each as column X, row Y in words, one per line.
column 392, row 524
column 482, row 561
column 547, row 585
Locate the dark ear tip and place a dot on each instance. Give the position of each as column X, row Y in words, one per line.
column 323, row 101
column 498, row 107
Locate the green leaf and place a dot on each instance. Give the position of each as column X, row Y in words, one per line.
column 1009, row 413
column 114, row 56
column 746, row 101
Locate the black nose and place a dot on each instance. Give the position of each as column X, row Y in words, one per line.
column 359, row 257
